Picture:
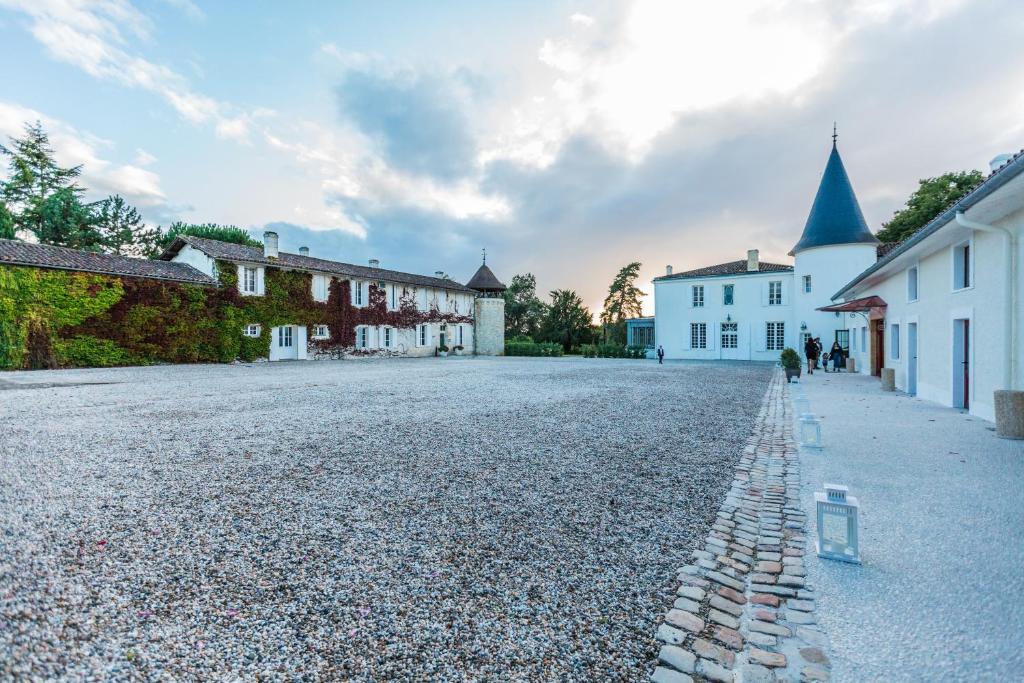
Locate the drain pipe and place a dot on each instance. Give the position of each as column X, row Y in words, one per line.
column 1009, row 402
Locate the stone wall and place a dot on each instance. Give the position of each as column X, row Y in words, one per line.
column 490, row 326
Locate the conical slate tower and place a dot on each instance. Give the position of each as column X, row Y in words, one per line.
column 835, row 215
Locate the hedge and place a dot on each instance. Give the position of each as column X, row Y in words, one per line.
column 529, row 348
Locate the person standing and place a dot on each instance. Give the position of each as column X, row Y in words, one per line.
column 811, row 353
column 661, row 354
column 821, row 353
column 836, row 355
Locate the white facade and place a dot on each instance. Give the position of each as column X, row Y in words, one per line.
column 826, row 270
column 950, row 341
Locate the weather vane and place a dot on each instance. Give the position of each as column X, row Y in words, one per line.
column 485, row 255
column 834, row 133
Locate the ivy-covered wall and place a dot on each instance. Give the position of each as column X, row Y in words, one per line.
column 52, row 318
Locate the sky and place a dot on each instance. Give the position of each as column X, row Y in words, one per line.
column 568, row 138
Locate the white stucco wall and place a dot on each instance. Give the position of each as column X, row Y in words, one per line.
column 831, row 268
column 674, row 311
column 197, row 259
column 936, row 308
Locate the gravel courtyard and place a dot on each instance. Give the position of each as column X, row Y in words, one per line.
column 456, row 519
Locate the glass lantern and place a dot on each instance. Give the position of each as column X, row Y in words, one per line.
column 837, row 524
column 801, row 406
column 810, row 432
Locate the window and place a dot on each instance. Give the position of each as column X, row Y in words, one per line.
column 642, row 336
column 807, row 284
column 804, row 336
column 727, row 295
column 320, row 332
column 730, row 335
column 252, row 331
column 284, row 336
column 894, row 342
column 394, row 297
column 421, row 335
column 389, row 337
column 962, row 266
column 320, row 287
column 853, row 341
column 864, row 339
column 362, row 337
column 249, row 280
column 698, row 296
column 698, row 335
column 843, row 337
column 775, row 335
column 357, row 293
column 775, row 293
column 912, row 284
column 461, row 337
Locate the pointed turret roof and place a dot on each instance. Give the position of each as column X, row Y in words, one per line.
column 485, row 281
column 835, row 216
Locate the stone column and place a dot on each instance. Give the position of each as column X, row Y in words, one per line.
column 489, row 327
column 888, row 379
column 1009, row 414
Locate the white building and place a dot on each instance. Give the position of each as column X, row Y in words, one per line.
column 419, row 315
column 751, row 310
column 943, row 309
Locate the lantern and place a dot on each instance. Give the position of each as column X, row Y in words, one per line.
column 801, row 406
column 810, row 432
column 837, row 524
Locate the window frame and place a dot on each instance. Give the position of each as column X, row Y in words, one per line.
column 252, row 330
column 729, row 294
column 357, row 293
column 697, row 296
column 388, row 338
column 808, row 284
column 894, row 341
column 699, row 336
column 916, row 270
column 772, row 286
column 284, row 333
column 733, row 335
column 421, row 335
column 246, row 270
column 362, row 337
column 965, row 263
column 317, row 332
column 774, row 340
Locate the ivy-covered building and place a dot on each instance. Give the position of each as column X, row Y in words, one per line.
column 211, row 301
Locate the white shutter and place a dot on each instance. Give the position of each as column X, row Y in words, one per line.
column 687, row 336
column 241, row 278
column 761, row 336
column 260, row 282
column 301, row 341
column 764, row 293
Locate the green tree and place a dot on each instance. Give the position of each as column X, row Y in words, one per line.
column 33, row 178
column 6, row 223
column 927, row 201
column 122, row 229
column 567, row 322
column 212, row 231
column 66, row 222
column 622, row 302
column 524, row 311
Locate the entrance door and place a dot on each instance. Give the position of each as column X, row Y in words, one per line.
column 878, row 347
column 444, row 335
column 284, row 343
column 912, row 359
column 729, row 340
column 962, row 363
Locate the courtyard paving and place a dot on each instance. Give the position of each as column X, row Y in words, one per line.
column 501, row 519
column 937, row 597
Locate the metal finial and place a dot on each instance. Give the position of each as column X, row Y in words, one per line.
column 485, row 256
column 834, row 134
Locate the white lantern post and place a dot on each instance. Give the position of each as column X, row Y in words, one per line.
column 810, row 432
column 801, row 406
column 838, row 538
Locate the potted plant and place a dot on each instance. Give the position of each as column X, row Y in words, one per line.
column 458, row 349
column 790, row 360
column 443, row 350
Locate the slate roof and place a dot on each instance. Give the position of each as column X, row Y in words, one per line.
column 484, row 280
column 18, row 253
column 240, row 252
column 731, row 268
column 1013, row 167
column 835, row 216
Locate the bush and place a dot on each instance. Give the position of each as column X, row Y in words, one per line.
column 613, row 351
column 789, row 358
column 521, row 348
column 589, row 351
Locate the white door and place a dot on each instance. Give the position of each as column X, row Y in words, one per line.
column 912, row 359
column 729, row 340
column 284, row 343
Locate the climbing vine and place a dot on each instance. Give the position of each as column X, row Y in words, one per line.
column 51, row 318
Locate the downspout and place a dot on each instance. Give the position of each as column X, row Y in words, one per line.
column 1011, row 307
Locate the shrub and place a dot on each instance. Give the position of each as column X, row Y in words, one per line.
column 520, row 348
column 589, row 351
column 789, row 358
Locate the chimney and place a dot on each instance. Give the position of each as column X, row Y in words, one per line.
column 439, row 274
column 998, row 160
column 270, row 244
column 374, row 263
column 753, row 264
column 668, row 270
column 303, row 251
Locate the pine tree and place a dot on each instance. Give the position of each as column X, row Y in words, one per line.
column 66, row 222
column 34, row 177
column 122, row 229
column 568, row 322
column 6, row 223
column 622, row 302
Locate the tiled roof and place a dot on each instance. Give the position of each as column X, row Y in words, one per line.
column 240, row 252
column 731, row 268
column 484, row 280
column 18, row 253
column 1013, row 167
column 835, row 216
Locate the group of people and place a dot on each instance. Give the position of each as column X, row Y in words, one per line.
column 813, row 351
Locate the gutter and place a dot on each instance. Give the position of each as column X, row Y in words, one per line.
column 1003, row 175
column 1011, row 309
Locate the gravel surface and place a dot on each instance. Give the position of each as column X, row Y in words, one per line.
column 458, row 519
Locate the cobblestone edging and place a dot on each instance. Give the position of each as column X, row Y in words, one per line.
column 743, row 612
